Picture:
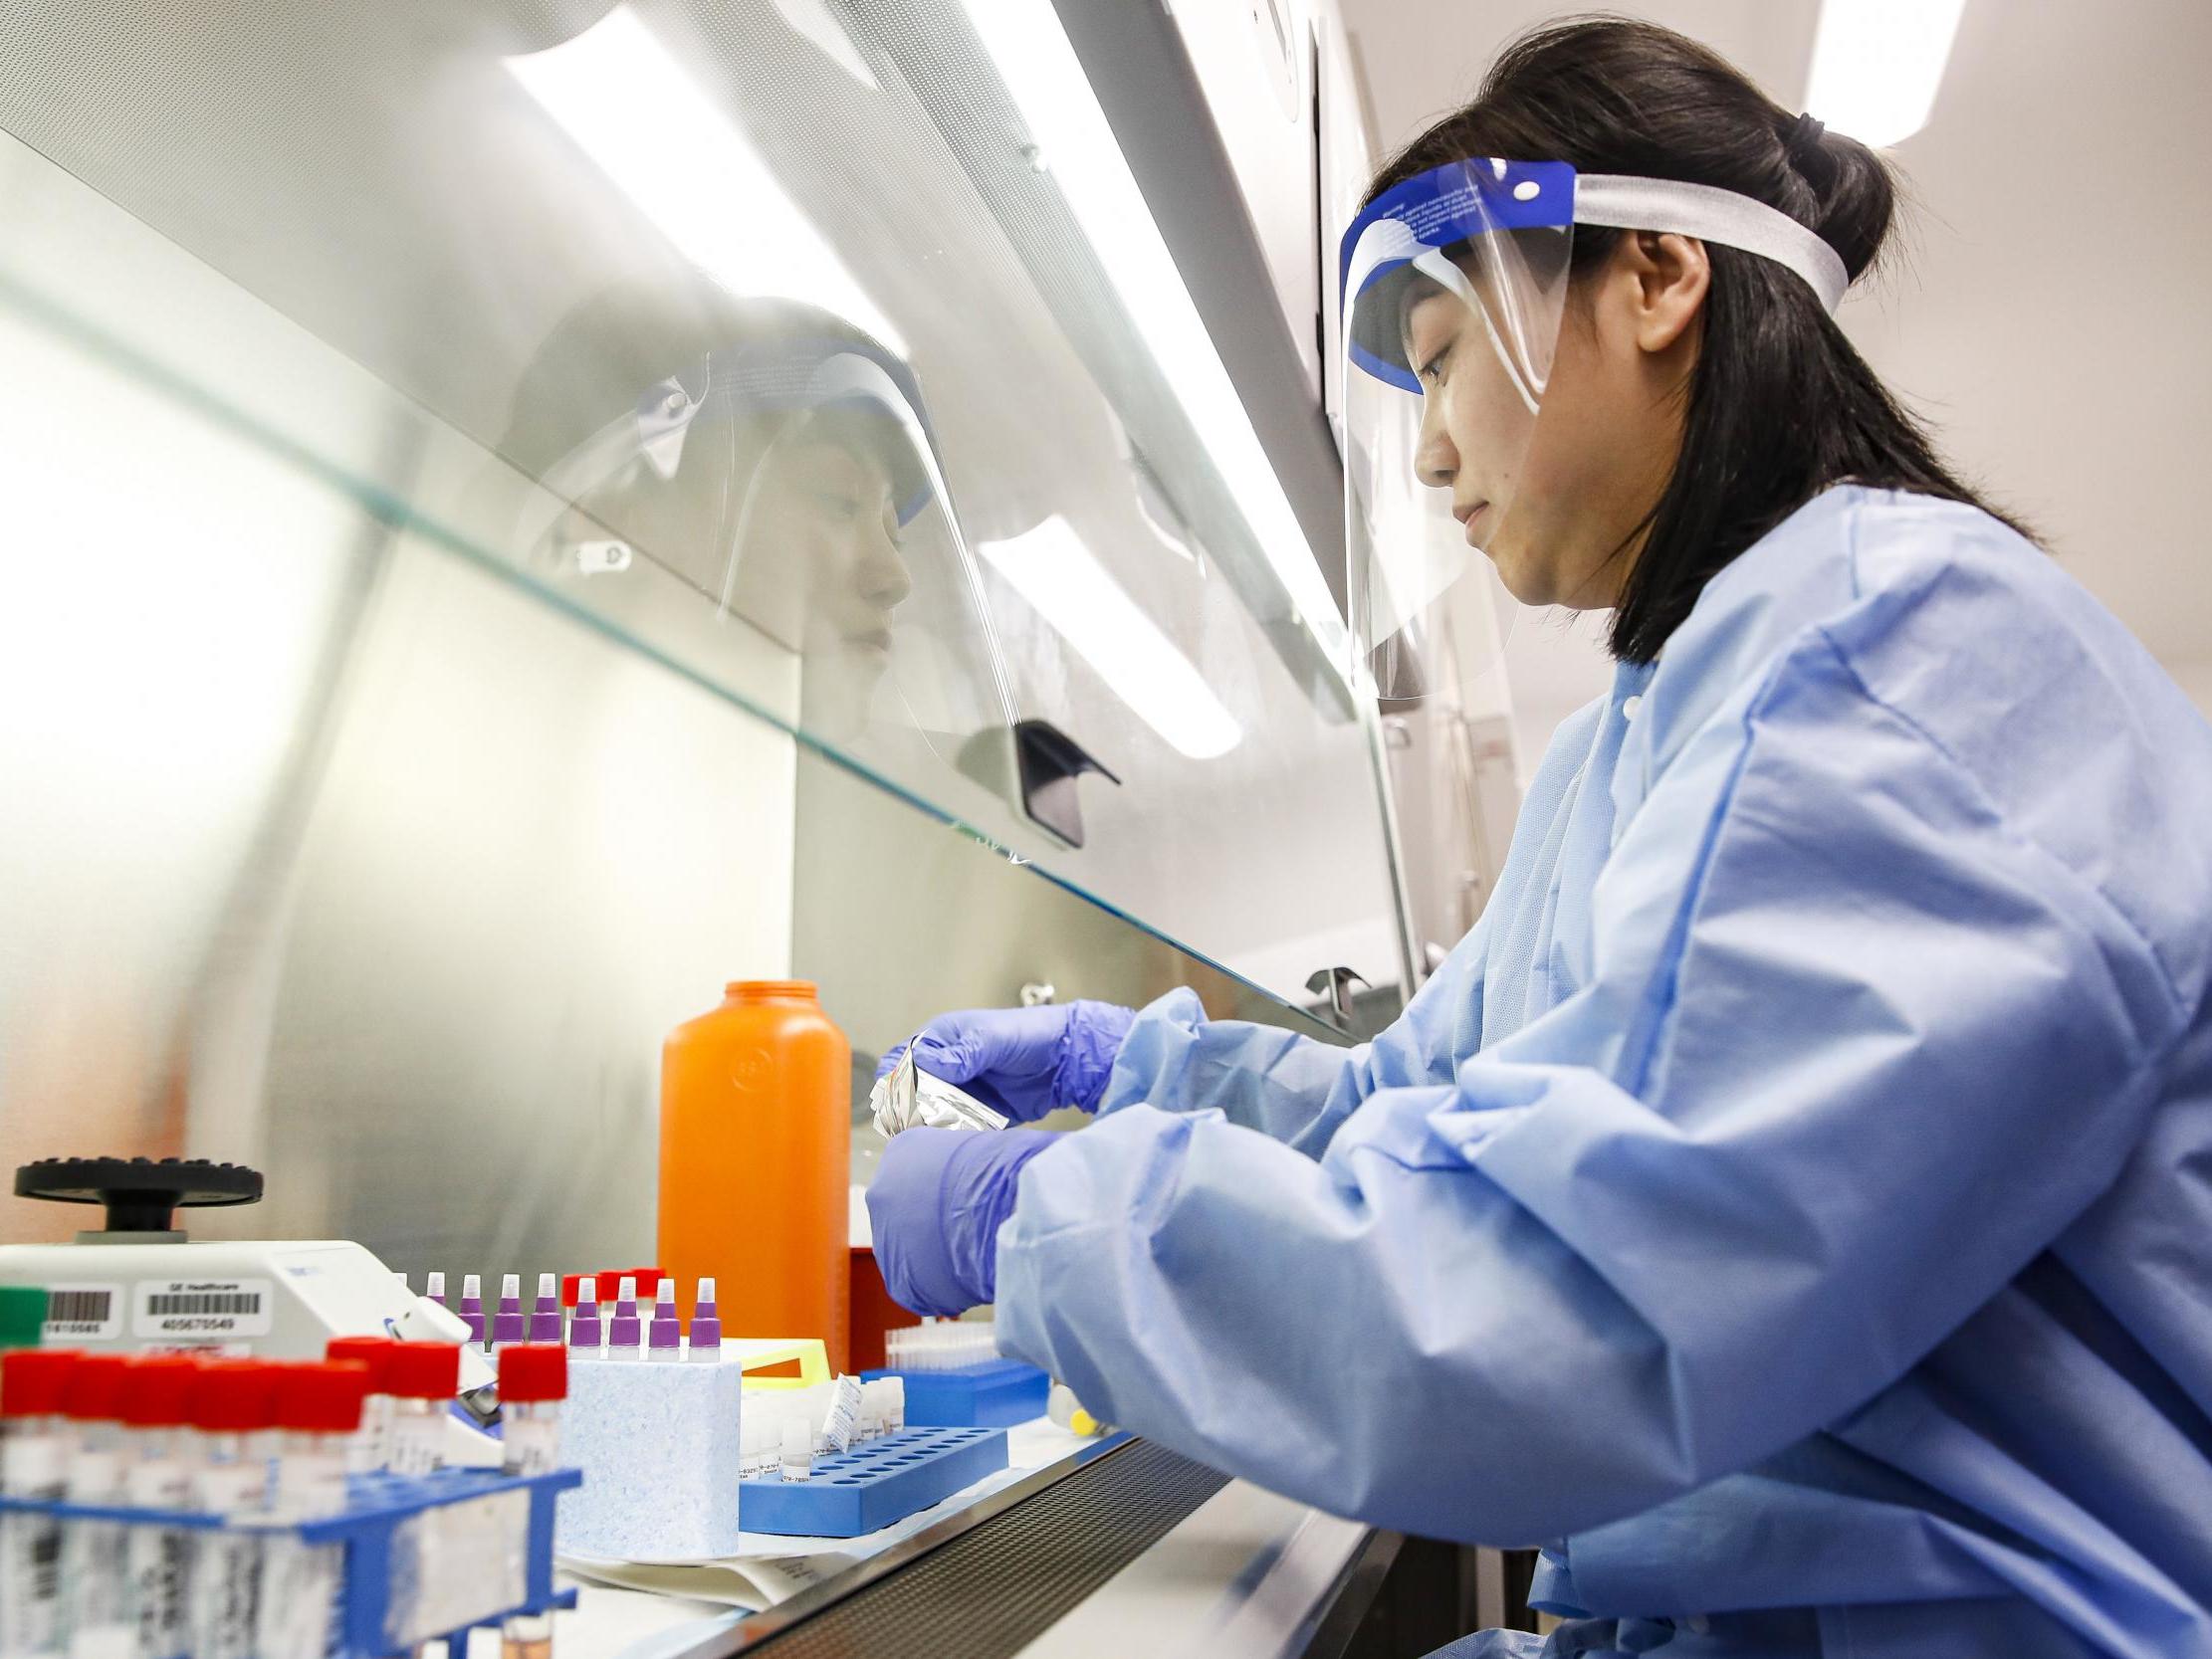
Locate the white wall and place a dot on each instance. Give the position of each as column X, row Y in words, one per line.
column 2045, row 309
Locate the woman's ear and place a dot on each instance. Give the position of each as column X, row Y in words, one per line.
column 1670, row 276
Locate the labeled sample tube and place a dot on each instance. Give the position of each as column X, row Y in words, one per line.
column 799, row 1448
column 508, row 1326
column 234, row 1406
column 371, row 1448
column 422, row 1378
column 545, row 1317
column 472, row 1308
column 841, row 1422
column 625, row 1331
column 158, row 1473
column 319, row 1418
column 93, row 1603
column 35, row 1441
column 587, row 1333
column 533, row 1383
column 664, row 1341
column 706, row 1327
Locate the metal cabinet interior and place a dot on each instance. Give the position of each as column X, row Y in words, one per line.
column 419, row 217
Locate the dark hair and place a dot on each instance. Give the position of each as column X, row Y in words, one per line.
column 1779, row 405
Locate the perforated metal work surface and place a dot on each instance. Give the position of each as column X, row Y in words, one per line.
column 993, row 1591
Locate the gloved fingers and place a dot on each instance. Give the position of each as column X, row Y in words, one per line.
column 907, row 1220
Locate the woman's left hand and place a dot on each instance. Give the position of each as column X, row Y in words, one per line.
column 936, row 1206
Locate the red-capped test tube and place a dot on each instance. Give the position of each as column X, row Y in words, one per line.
column 93, row 1551
column 234, row 1411
column 422, row 1378
column 318, row 1419
column 371, row 1448
column 35, row 1440
column 320, row 1407
column 532, row 1382
column 157, row 1474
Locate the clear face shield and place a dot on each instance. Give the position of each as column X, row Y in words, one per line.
column 795, row 489
column 1455, row 283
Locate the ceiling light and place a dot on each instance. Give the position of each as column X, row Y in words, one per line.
column 1076, row 146
column 623, row 97
column 1877, row 65
column 1063, row 583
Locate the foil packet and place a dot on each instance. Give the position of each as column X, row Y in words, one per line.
column 906, row 1097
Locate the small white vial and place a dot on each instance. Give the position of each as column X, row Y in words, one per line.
column 799, row 1450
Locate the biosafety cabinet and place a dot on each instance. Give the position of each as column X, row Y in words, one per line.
column 522, row 511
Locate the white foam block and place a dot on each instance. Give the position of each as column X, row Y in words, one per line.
column 660, row 1453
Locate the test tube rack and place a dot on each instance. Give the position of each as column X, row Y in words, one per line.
column 874, row 1485
column 378, row 1507
column 992, row 1394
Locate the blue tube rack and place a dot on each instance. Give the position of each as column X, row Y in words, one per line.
column 377, row 1506
column 992, row 1394
column 872, row 1486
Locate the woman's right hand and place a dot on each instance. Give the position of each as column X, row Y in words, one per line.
column 1023, row 1062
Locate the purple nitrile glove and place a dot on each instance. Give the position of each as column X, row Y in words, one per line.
column 934, row 1208
column 1023, row 1062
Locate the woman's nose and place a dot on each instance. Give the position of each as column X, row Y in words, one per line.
column 885, row 580
column 1435, row 457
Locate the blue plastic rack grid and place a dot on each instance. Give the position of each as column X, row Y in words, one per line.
column 379, row 1505
column 873, row 1486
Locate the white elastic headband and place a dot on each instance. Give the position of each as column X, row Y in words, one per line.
column 1619, row 202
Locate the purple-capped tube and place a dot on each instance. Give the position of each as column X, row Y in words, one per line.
column 585, row 1334
column 706, row 1327
column 507, row 1324
column 625, row 1331
column 472, row 1308
column 545, row 1317
column 434, row 1289
column 665, row 1339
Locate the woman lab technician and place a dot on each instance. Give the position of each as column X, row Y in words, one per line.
column 1792, row 1204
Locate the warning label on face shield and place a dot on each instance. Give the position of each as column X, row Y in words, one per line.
column 201, row 1308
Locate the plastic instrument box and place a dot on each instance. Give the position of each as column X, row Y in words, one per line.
column 992, row 1394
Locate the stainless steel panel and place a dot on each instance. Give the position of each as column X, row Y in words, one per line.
column 336, row 838
column 382, row 180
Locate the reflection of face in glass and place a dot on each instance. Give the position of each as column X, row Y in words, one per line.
column 789, row 522
column 815, row 563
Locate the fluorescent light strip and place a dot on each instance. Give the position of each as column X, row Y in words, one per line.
column 1046, row 81
column 1063, row 583
column 629, row 105
column 1877, row 65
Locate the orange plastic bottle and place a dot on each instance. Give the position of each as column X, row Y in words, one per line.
column 757, row 1160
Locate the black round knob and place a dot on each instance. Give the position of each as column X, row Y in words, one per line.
column 140, row 1193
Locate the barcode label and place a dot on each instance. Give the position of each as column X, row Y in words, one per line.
column 83, row 1313
column 202, row 1308
column 75, row 1307
column 206, row 1302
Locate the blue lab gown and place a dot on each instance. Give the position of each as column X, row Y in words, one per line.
column 1792, row 1203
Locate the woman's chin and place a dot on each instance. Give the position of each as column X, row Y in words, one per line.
column 1527, row 581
